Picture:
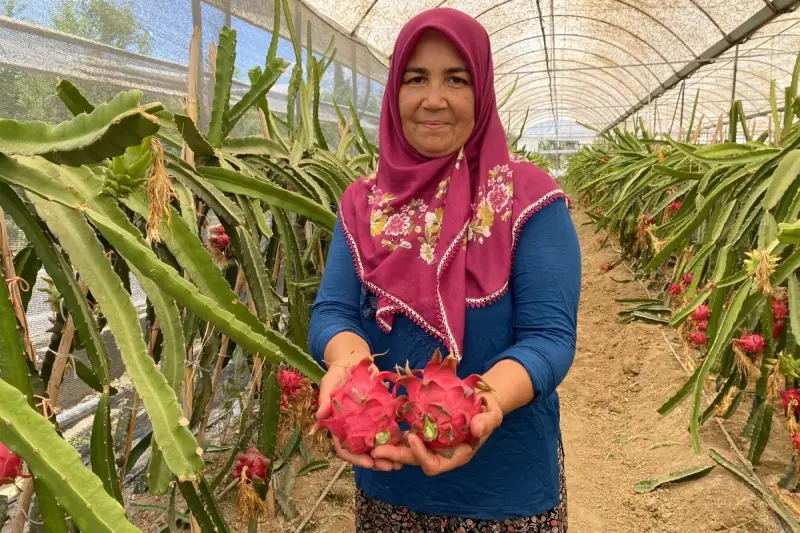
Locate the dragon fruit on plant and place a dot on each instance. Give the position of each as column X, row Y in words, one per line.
column 256, row 464
column 218, row 238
column 10, row 465
column 364, row 410
column 441, row 405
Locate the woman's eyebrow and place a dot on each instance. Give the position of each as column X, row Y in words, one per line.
column 423, row 70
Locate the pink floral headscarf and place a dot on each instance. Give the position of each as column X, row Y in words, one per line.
column 420, row 241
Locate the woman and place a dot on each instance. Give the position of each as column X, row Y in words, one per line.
column 453, row 244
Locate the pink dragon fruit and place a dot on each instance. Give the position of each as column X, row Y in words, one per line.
column 364, row 410
column 675, row 289
column 779, row 309
column 687, row 279
column 290, row 381
column 788, row 395
column 751, row 343
column 440, row 405
column 698, row 338
column 218, row 238
column 10, row 465
column 256, row 464
column 700, row 314
column 777, row 329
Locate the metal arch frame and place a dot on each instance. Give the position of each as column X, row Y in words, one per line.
column 600, row 99
column 738, row 35
column 574, row 96
column 570, row 75
column 581, row 17
column 573, row 92
column 739, row 81
column 626, row 4
column 590, row 38
column 586, row 81
column 604, row 58
column 540, row 115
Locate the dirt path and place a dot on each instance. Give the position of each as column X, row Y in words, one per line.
column 613, row 435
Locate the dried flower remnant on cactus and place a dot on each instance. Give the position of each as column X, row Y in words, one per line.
column 441, row 405
column 761, row 266
column 364, row 409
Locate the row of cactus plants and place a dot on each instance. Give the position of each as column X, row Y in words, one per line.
column 126, row 188
column 715, row 228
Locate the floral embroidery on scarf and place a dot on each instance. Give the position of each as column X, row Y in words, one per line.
column 494, row 200
column 394, row 227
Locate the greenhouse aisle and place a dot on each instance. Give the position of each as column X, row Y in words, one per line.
column 613, row 435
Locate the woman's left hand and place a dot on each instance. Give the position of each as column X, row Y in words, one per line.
column 416, row 453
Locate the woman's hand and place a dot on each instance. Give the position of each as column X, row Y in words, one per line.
column 335, row 377
column 432, row 463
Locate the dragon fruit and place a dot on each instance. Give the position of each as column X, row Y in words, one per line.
column 779, row 309
column 255, row 463
column 440, row 405
column 290, row 381
column 364, row 410
column 700, row 314
column 10, row 465
column 687, row 279
column 698, row 338
column 777, row 329
column 751, row 343
column 675, row 289
column 788, row 395
column 218, row 238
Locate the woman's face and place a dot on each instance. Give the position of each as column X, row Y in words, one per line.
column 436, row 101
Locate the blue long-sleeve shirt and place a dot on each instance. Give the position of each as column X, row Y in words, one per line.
column 515, row 473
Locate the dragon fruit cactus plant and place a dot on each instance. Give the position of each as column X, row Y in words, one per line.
column 440, row 405
column 10, row 465
column 364, row 410
column 251, row 464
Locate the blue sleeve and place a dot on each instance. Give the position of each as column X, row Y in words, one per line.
column 337, row 306
column 545, row 286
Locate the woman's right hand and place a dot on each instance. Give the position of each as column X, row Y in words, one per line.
column 334, row 378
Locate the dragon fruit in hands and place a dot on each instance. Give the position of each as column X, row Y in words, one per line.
column 440, row 405
column 364, row 410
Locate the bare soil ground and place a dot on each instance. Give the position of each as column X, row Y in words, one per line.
column 613, row 435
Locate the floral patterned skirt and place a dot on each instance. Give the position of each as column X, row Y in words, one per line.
column 373, row 516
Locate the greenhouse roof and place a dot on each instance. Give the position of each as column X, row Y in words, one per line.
column 601, row 62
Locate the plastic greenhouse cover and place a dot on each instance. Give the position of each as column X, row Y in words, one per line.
column 594, row 60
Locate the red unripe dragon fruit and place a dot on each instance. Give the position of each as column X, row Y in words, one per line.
column 698, row 338
column 701, row 313
column 788, row 395
column 291, row 381
column 10, row 465
column 364, row 410
column 777, row 329
column 441, row 405
column 256, row 465
column 218, row 238
column 750, row 343
column 779, row 309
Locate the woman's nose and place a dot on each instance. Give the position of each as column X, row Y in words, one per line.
column 435, row 98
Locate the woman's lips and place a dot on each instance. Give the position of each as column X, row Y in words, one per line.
column 434, row 125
